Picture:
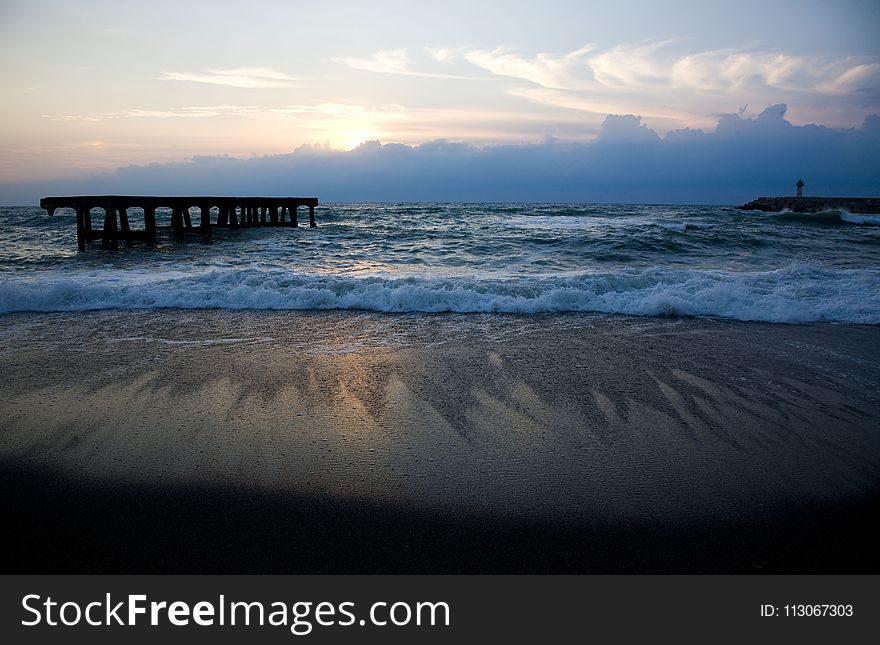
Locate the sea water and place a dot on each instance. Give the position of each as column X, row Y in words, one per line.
column 646, row 260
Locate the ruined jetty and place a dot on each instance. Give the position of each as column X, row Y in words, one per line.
column 814, row 204
column 228, row 212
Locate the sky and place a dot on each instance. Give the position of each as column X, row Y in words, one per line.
column 684, row 102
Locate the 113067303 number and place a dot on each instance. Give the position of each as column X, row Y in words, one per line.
column 811, row 610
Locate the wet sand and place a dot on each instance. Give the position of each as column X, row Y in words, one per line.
column 288, row 442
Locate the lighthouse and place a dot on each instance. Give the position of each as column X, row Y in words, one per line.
column 800, row 187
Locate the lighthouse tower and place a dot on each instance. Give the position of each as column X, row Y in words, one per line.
column 800, row 187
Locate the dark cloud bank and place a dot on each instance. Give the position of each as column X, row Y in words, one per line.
column 741, row 159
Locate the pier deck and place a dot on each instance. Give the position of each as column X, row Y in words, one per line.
column 230, row 212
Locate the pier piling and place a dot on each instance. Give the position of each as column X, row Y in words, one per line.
column 110, row 237
column 82, row 235
column 123, row 225
column 150, row 224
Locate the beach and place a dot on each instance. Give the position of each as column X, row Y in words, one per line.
column 210, row 440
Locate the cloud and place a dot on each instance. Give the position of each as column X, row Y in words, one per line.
column 626, row 128
column 344, row 110
column 740, row 158
column 190, row 112
column 725, row 71
column 668, row 79
column 445, row 54
column 396, row 62
column 663, row 64
column 244, row 77
column 71, row 117
column 554, row 72
column 854, row 79
column 631, row 65
column 170, row 113
column 383, row 62
column 601, row 105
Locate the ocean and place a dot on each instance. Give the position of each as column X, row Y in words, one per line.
column 644, row 260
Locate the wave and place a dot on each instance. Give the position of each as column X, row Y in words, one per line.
column 797, row 293
column 547, row 222
column 853, row 218
column 681, row 227
column 828, row 217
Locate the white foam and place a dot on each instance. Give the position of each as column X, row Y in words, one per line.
column 682, row 227
column 795, row 293
column 565, row 222
column 853, row 218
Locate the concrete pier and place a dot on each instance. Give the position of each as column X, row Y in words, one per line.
column 231, row 212
column 814, row 204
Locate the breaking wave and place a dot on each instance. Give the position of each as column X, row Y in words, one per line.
column 828, row 217
column 796, row 293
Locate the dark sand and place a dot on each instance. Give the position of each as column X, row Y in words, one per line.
column 291, row 442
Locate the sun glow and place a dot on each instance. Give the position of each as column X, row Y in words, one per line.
column 351, row 139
